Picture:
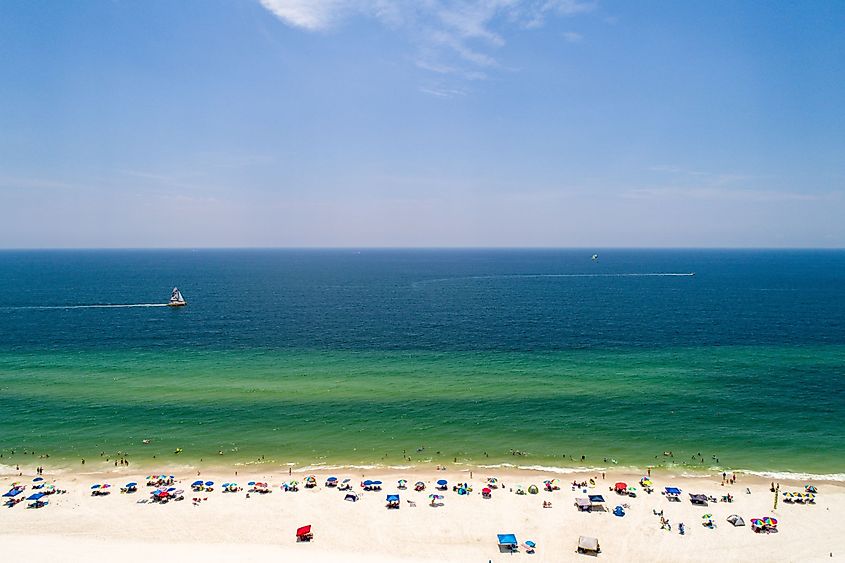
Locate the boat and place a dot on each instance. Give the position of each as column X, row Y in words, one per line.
column 595, row 257
column 176, row 299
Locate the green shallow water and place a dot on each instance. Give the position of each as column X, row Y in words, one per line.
column 754, row 407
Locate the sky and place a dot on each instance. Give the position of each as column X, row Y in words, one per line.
column 427, row 123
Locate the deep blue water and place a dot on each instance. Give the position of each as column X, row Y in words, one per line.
column 449, row 300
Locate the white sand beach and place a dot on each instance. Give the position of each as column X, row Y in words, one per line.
column 235, row 527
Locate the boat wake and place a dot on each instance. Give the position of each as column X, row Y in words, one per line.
column 122, row 306
column 534, row 276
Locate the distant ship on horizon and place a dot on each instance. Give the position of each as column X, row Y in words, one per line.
column 176, row 299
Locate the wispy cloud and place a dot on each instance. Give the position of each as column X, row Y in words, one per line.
column 721, row 194
column 572, row 36
column 458, row 38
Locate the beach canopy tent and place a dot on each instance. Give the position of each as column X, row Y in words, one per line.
column 700, row 500
column 36, row 496
column 13, row 493
column 673, row 491
column 507, row 542
column 303, row 533
column 583, row 504
column 588, row 545
column 596, row 499
column 736, row 520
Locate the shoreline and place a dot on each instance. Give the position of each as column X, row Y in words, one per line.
column 273, row 467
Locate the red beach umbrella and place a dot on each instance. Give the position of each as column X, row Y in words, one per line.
column 303, row 530
column 621, row 486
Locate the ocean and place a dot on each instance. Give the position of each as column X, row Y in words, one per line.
column 401, row 357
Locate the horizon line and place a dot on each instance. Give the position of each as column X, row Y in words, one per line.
column 603, row 248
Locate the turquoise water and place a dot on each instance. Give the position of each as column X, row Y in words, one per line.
column 338, row 357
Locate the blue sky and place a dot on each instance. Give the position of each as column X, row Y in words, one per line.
column 421, row 123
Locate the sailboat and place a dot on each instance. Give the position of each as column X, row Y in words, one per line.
column 176, row 299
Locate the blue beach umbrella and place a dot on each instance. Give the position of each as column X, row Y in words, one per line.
column 196, row 483
column 131, row 485
column 36, row 496
column 531, row 544
column 392, row 498
column 37, row 479
column 442, row 482
column 209, row 483
column 95, row 487
column 376, row 483
column 368, row 482
column 332, row 479
column 251, row 483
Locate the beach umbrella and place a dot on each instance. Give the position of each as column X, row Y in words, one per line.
column 492, row 480
column 303, row 530
column 224, row 485
column 38, row 479
column 332, row 479
column 392, row 498
column 36, row 496
column 347, row 480
column 435, row 497
column 131, row 485
column 95, row 487
column 486, row 490
column 442, row 482
column 376, row 482
column 402, row 481
column 531, row 544
column 367, row 483
column 769, row 521
column 251, row 483
column 620, row 486
column 197, row 483
column 209, row 483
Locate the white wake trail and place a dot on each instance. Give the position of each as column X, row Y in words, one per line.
column 530, row 276
column 123, row 306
